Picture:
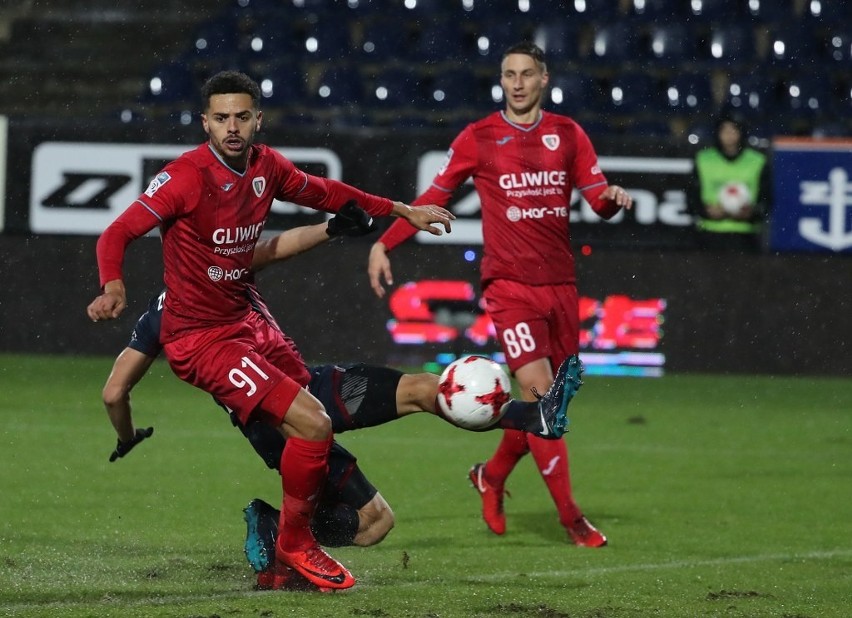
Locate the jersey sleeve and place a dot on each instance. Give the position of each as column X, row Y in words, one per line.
column 166, row 196
column 588, row 177
column 325, row 194
column 459, row 165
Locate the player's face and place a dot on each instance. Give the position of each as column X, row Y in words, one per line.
column 729, row 136
column 523, row 82
column 231, row 122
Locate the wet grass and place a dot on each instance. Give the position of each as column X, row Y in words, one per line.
column 721, row 496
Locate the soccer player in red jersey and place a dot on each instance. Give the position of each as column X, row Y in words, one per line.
column 525, row 162
column 211, row 204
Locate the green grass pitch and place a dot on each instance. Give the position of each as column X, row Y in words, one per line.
column 720, row 495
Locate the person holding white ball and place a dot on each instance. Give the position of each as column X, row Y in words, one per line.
column 731, row 190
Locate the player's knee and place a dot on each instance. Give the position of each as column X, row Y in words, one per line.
column 115, row 394
column 315, row 425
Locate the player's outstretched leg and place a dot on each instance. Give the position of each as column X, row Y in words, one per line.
column 553, row 405
column 492, row 499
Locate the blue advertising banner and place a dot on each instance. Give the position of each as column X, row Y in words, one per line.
column 813, row 195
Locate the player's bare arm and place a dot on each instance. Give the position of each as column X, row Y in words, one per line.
column 422, row 217
column 110, row 304
column 288, row 244
column 379, row 269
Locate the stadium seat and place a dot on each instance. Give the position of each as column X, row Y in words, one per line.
column 440, row 40
column 594, row 10
column 282, row 85
column 690, row 93
column 714, row 11
column 492, row 38
column 656, row 11
column 559, row 38
column 752, row 94
column 384, row 39
column 454, row 89
column 170, row 84
column 771, row 11
column 573, row 93
column 808, row 95
column 827, row 12
column 339, row 85
column 397, row 87
column 326, row 40
column 836, row 44
column 791, row 44
column 730, row 45
column 634, row 94
column 671, row 45
column 615, row 43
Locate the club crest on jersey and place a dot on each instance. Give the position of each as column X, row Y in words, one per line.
column 258, row 184
column 551, row 142
column 158, row 181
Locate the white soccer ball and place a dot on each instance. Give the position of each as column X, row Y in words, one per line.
column 473, row 391
column 733, row 196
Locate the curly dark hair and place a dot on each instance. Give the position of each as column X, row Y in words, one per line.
column 230, row 82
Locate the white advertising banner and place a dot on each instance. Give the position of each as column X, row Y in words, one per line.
column 80, row 188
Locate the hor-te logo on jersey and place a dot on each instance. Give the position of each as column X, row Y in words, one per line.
column 258, row 184
column 551, row 142
column 217, row 274
column 515, row 214
column 158, row 181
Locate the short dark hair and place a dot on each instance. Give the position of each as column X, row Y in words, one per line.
column 528, row 48
column 230, row 82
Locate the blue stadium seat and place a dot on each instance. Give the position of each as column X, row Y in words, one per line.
column 771, row 11
column 492, row 38
column 384, row 39
column 615, row 43
column 594, row 10
column 657, row 11
column 339, row 85
column 671, row 44
column 714, row 10
column 397, row 87
column 828, row 12
column 282, row 85
column 573, row 93
column 730, row 45
column 455, row 89
column 440, row 40
column 559, row 38
column 690, row 93
column 171, row 84
column 269, row 41
column 635, row 93
column 808, row 95
column 328, row 39
column 752, row 94
column 836, row 44
column 791, row 44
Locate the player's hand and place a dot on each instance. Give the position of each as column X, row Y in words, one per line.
column 122, row 448
column 350, row 220
column 110, row 304
column 619, row 196
column 379, row 269
column 423, row 217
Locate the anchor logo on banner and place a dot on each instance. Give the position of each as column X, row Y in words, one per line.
column 837, row 195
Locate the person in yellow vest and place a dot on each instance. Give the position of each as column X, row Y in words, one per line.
column 732, row 192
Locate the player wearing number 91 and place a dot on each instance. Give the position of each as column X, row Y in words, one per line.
column 211, row 205
column 525, row 163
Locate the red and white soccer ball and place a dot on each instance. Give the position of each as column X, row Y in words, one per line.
column 733, row 196
column 472, row 392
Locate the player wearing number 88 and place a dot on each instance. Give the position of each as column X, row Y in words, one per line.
column 525, row 163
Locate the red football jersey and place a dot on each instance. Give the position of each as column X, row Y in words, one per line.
column 524, row 176
column 211, row 217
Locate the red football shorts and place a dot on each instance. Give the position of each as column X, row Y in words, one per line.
column 534, row 321
column 238, row 363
